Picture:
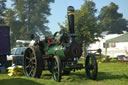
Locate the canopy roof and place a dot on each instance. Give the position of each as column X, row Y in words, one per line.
column 121, row 38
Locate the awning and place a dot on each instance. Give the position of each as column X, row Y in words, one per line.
column 121, row 38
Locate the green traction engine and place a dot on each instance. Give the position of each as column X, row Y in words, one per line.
column 59, row 55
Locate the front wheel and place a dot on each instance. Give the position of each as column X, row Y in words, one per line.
column 56, row 69
column 91, row 67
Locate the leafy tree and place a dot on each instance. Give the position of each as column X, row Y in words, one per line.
column 112, row 21
column 28, row 17
column 2, row 10
column 85, row 23
column 14, row 25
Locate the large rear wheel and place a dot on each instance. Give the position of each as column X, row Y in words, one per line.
column 91, row 67
column 33, row 63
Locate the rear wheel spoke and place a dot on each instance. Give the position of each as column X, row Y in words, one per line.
column 27, row 58
column 28, row 66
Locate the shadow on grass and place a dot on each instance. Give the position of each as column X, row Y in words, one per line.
column 18, row 81
column 75, row 76
column 81, row 76
column 46, row 76
column 3, row 72
column 100, row 77
column 108, row 75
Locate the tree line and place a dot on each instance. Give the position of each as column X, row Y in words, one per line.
column 28, row 17
column 89, row 26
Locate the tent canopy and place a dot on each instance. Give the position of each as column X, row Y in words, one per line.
column 121, row 38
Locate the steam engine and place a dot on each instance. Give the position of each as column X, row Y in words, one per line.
column 59, row 54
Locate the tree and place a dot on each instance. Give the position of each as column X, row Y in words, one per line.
column 2, row 10
column 28, row 17
column 112, row 21
column 14, row 25
column 86, row 23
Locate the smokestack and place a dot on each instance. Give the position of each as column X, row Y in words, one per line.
column 71, row 19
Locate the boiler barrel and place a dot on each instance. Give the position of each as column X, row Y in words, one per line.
column 72, row 50
column 57, row 50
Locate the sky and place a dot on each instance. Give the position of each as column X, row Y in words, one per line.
column 59, row 10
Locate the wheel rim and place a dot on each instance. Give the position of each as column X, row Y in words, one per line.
column 91, row 67
column 29, row 62
column 56, row 69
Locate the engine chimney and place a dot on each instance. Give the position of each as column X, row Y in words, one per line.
column 71, row 19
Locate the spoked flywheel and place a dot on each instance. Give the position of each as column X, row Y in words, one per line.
column 91, row 67
column 56, row 69
column 33, row 63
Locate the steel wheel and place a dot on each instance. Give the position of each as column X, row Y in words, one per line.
column 33, row 62
column 91, row 67
column 56, row 69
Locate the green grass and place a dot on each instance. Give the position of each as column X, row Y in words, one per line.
column 108, row 74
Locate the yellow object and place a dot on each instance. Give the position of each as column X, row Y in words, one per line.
column 70, row 13
column 15, row 71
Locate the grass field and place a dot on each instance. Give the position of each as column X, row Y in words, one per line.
column 108, row 74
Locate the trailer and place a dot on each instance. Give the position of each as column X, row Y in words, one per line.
column 4, row 44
